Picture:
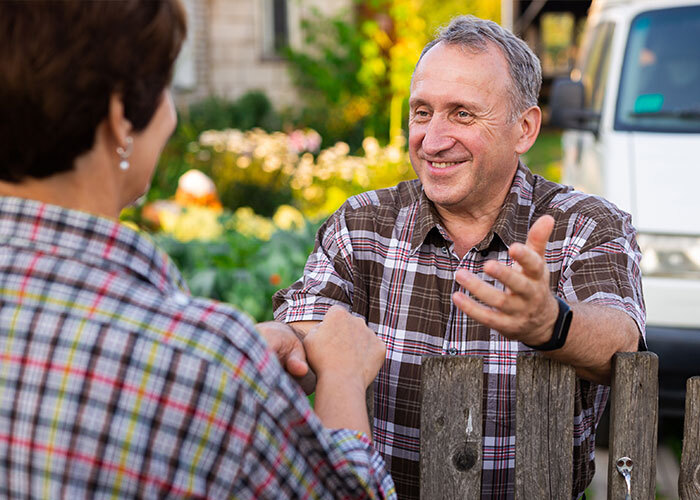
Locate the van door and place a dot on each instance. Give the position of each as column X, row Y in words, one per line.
column 583, row 152
column 659, row 107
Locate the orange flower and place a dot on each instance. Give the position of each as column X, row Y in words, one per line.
column 275, row 279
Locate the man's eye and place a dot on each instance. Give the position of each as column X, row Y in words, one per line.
column 463, row 114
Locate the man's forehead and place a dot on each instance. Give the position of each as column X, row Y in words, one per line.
column 446, row 70
column 443, row 57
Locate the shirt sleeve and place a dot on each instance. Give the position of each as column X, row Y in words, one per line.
column 291, row 455
column 605, row 267
column 327, row 278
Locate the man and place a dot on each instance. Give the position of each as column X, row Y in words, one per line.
column 477, row 257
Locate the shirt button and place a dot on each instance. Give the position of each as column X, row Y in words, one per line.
column 452, row 351
column 444, row 250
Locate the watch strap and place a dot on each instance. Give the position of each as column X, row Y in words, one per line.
column 560, row 330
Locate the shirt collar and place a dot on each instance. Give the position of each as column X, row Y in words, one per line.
column 87, row 238
column 511, row 225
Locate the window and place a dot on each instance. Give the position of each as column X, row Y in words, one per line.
column 275, row 27
column 596, row 64
column 660, row 84
column 185, row 76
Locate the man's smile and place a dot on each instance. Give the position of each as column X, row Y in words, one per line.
column 446, row 164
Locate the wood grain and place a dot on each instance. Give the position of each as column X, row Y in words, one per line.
column 451, row 427
column 544, row 428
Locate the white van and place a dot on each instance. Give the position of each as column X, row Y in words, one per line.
column 631, row 114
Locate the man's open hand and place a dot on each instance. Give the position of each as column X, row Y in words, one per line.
column 526, row 311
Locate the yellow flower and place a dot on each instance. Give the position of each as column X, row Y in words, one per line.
column 196, row 223
column 287, row 217
column 249, row 223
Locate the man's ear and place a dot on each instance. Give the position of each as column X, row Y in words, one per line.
column 117, row 124
column 528, row 127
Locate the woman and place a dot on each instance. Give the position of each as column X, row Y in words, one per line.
column 113, row 380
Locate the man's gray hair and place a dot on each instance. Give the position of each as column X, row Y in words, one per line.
column 474, row 34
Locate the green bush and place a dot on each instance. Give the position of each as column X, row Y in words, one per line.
column 242, row 270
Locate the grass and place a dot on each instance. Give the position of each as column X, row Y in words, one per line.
column 544, row 158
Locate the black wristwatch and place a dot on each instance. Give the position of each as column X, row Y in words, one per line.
column 561, row 328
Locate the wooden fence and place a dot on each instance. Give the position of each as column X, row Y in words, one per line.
column 451, row 428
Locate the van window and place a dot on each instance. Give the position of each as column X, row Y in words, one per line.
column 660, row 84
column 595, row 65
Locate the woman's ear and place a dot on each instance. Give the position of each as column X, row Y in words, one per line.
column 528, row 128
column 117, row 124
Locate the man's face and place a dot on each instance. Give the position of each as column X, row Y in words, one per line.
column 462, row 142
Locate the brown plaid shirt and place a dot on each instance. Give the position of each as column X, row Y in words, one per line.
column 385, row 255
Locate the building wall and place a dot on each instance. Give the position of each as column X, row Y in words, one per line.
column 227, row 42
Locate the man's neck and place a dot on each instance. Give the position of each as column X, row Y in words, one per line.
column 467, row 226
column 467, row 231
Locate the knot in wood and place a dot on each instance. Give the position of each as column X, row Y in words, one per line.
column 465, row 458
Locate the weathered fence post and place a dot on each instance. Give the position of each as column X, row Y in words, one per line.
column 634, row 407
column 544, row 428
column 689, row 479
column 450, row 436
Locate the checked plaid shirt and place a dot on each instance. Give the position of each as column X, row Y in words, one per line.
column 115, row 383
column 385, row 256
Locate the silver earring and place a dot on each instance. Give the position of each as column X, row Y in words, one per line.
column 125, row 153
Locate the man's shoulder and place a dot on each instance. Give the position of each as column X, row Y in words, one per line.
column 562, row 201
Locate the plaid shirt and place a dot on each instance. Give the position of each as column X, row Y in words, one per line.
column 115, row 383
column 385, row 255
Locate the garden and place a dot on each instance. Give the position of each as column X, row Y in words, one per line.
column 242, row 187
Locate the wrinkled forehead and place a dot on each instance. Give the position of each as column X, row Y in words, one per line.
column 475, row 48
column 445, row 57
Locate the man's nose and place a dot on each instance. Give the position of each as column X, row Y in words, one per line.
column 437, row 137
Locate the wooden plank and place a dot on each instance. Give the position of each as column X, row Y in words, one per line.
column 689, row 479
column 544, row 453
column 633, row 423
column 451, row 425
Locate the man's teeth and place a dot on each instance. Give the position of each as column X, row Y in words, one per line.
column 444, row 164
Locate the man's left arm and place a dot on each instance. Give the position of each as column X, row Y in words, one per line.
column 527, row 310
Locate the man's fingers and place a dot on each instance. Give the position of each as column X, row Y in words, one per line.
column 284, row 342
column 491, row 318
column 511, row 277
column 527, row 261
column 295, row 358
column 296, row 366
column 480, row 289
column 539, row 234
column 490, row 295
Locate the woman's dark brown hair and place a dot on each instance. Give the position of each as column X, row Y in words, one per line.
column 61, row 60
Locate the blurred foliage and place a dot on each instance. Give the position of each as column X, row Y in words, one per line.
column 253, row 109
column 354, row 69
column 337, row 99
column 266, row 170
column 544, row 158
column 557, row 51
column 239, row 266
